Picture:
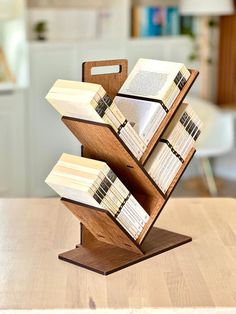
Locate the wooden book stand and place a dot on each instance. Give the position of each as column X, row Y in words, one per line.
column 105, row 245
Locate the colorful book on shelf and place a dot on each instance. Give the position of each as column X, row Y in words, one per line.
column 171, row 21
column 149, row 92
column 93, row 183
column 90, row 102
column 174, row 146
column 148, row 21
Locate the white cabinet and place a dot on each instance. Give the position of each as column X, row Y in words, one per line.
column 12, row 145
column 47, row 137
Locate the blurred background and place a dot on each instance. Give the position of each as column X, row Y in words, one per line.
column 43, row 40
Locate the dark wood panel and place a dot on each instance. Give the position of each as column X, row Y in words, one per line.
column 102, row 225
column 111, row 82
column 106, row 247
column 102, row 143
column 169, row 116
column 226, row 87
column 106, row 259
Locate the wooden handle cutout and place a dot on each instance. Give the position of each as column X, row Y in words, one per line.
column 111, row 69
column 111, row 74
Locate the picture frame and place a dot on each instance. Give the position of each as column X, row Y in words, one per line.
column 6, row 75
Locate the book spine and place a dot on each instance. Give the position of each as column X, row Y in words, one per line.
column 111, row 105
column 155, row 123
column 135, row 21
column 101, row 110
column 176, row 164
column 144, row 29
column 128, row 203
column 130, row 144
column 157, row 155
column 123, row 221
column 178, row 133
column 122, row 190
column 179, row 86
column 188, row 135
column 186, row 148
column 167, row 170
column 100, row 196
column 160, row 162
column 162, row 167
column 174, row 90
column 127, row 134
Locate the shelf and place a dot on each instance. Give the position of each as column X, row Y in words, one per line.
column 169, row 116
column 174, row 38
column 101, row 142
column 157, row 206
column 102, row 225
column 105, row 259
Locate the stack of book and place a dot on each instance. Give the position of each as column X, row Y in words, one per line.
column 149, row 92
column 90, row 102
column 174, row 146
column 94, row 183
column 148, row 21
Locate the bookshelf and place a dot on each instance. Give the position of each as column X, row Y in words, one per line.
column 107, row 14
column 105, row 246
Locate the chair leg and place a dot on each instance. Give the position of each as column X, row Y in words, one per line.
column 209, row 175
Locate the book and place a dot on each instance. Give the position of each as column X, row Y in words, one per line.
column 155, row 80
column 149, row 92
column 149, row 21
column 171, row 24
column 146, row 21
column 174, row 146
column 94, row 183
column 183, row 130
column 90, row 102
column 144, row 116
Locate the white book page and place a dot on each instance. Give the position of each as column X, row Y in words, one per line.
column 151, row 78
column 137, row 112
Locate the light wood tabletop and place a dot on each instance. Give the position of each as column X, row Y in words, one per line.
column 201, row 273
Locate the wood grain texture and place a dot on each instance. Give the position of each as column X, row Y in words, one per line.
column 200, row 274
column 111, row 82
column 102, row 225
column 153, row 205
column 169, row 116
column 102, row 143
column 105, row 259
column 226, row 92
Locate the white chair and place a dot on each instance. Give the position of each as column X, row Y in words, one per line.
column 217, row 137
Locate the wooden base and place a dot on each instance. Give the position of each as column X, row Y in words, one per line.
column 105, row 258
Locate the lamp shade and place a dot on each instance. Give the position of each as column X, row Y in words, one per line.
column 206, row 7
column 10, row 9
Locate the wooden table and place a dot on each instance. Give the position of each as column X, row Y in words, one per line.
column 201, row 273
